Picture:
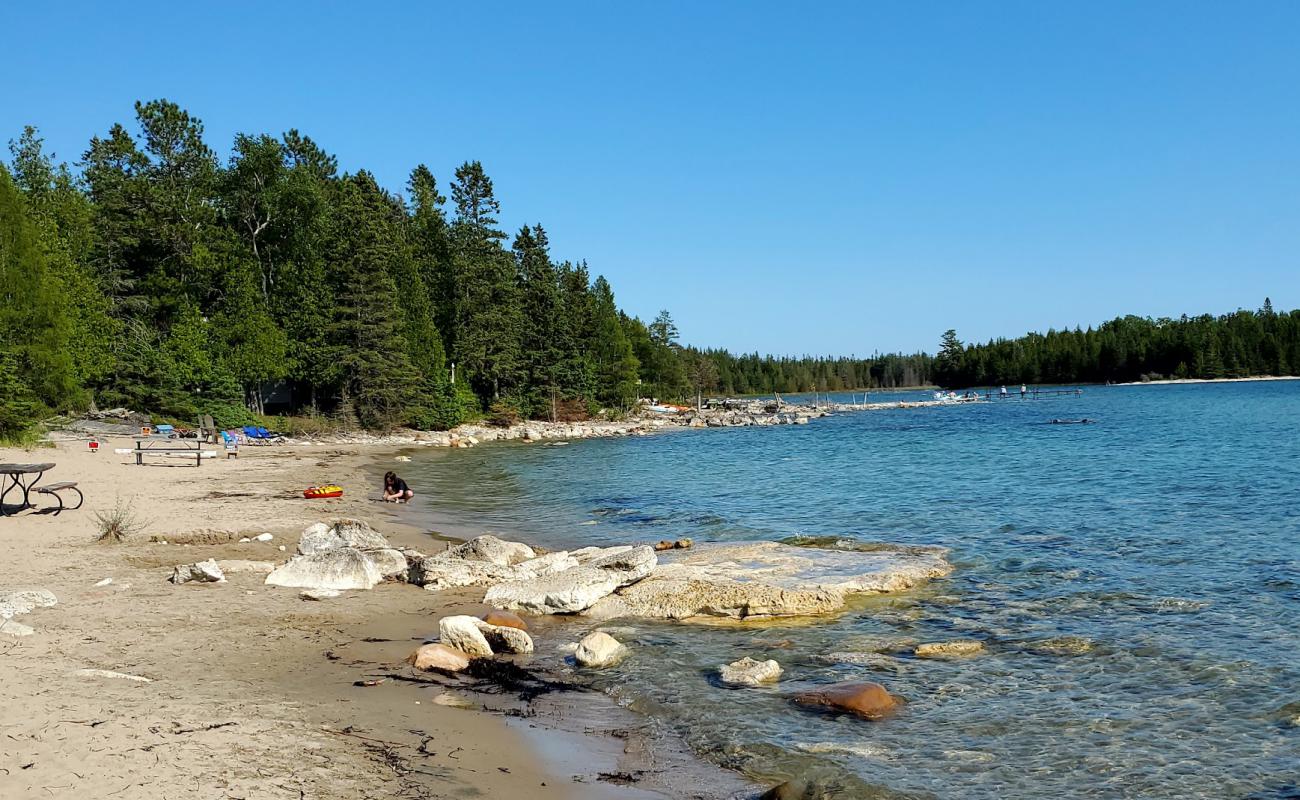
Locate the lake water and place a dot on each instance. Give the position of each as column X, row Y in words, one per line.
column 1136, row 583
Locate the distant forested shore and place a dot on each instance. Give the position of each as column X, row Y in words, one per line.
column 154, row 275
column 1242, row 344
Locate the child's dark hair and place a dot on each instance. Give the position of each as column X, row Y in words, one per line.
column 390, row 478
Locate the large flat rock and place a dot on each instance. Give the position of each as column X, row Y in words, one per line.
column 576, row 588
column 750, row 580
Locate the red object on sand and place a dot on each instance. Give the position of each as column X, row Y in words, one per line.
column 94, row 446
column 316, row 492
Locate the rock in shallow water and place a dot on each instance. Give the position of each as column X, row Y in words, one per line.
column 462, row 632
column 506, row 639
column 505, row 619
column 750, row 672
column 599, row 649
column 770, row 579
column 867, row 700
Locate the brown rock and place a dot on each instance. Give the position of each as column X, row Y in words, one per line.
column 683, row 544
column 505, row 619
column 438, row 656
column 867, row 700
column 664, row 545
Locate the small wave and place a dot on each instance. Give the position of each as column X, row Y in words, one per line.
column 859, row 545
column 867, row 750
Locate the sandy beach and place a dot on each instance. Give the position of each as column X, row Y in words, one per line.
column 250, row 689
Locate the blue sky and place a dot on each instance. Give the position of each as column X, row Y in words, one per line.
column 789, row 178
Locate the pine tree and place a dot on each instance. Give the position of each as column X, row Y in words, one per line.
column 377, row 380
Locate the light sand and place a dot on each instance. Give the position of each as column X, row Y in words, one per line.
column 251, row 691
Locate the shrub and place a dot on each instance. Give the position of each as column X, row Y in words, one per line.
column 119, row 524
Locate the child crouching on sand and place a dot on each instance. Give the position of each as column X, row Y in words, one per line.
column 395, row 489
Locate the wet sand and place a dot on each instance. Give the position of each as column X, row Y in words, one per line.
column 251, row 689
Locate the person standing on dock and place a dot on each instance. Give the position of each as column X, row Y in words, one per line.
column 1024, row 390
column 1002, row 392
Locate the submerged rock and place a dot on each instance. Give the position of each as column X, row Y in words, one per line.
column 505, row 619
column 1061, row 646
column 770, row 579
column 959, row 648
column 678, row 598
column 199, row 572
column 438, row 656
column 750, row 672
column 577, row 588
column 462, row 632
column 867, row 700
column 599, row 649
column 341, row 568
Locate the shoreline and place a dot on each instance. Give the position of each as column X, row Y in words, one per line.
column 1179, row 381
column 248, row 689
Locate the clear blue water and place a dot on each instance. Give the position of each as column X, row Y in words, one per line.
column 1136, row 583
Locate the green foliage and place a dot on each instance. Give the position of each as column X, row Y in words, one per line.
column 167, row 280
column 1241, row 344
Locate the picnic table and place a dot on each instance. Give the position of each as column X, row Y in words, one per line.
column 165, row 445
column 15, row 476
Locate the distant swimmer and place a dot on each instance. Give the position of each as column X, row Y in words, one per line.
column 1023, row 390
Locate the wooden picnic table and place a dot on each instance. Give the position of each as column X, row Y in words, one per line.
column 162, row 445
column 14, row 476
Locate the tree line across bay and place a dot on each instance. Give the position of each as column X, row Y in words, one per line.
column 155, row 275
column 1237, row 345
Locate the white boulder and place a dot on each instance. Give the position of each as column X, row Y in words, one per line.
column 319, row 537
column 577, row 588
column 340, row 568
column 199, row 572
column 492, row 550
column 505, row 639
column 462, row 632
column 390, row 563
column 599, row 649
column 23, row 601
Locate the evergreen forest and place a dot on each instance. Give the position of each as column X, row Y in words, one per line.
column 155, row 275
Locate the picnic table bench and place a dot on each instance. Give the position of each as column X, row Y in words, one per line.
column 163, row 445
column 53, row 489
column 15, row 476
